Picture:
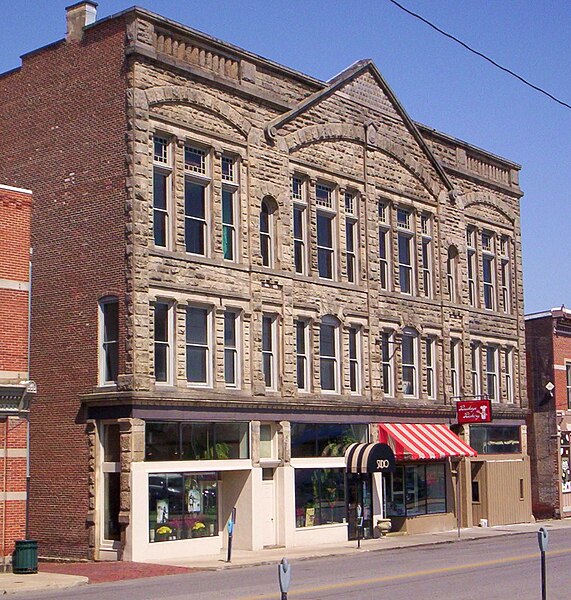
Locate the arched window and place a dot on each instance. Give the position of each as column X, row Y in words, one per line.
column 452, row 273
column 267, row 232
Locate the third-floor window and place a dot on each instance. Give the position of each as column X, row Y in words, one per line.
column 326, row 262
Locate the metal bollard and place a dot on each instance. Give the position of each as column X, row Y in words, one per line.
column 543, row 538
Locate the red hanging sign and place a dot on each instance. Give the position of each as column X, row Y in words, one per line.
column 474, row 411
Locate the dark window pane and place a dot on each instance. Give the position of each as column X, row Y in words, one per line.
column 110, row 321
column 228, row 242
column 196, row 439
column 230, row 367
column 265, row 219
column 227, row 207
column 159, row 190
column 301, row 372
column 230, row 329
column 268, row 370
column 297, row 223
column 196, row 325
column 325, row 263
column 324, row 231
column 194, row 236
column 319, row 497
column 404, row 249
column 194, row 200
column 300, row 336
column 327, row 368
column 111, row 361
column 161, row 441
column 111, row 493
column 160, row 228
column 327, row 340
column 267, row 333
column 161, row 322
column 196, row 364
column 161, row 362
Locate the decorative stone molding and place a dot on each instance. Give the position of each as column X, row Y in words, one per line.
column 178, row 94
column 474, row 198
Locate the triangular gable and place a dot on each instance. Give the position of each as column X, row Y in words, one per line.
column 342, row 80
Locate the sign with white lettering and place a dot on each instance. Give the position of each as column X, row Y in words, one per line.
column 474, row 411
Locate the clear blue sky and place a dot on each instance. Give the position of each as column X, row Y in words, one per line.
column 439, row 83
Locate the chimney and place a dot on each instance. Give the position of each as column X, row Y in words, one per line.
column 77, row 17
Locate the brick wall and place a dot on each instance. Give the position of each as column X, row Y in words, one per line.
column 62, row 115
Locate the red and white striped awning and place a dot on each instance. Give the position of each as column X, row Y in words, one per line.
column 423, row 441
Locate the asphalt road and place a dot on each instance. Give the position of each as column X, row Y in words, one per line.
column 500, row 568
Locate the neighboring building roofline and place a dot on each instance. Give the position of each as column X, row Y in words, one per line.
column 554, row 313
column 458, row 142
column 9, row 188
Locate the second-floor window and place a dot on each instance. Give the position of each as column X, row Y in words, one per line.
column 109, row 340
column 387, row 362
column 409, row 362
column 269, row 351
column 476, row 369
column 508, row 375
column 301, row 351
column 231, row 372
column 455, row 368
column 426, row 227
column 492, row 382
column 354, row 360
column 197, row 345
column 326, row 262
column 384, row 245
column 163, row 346
column 452, row 273
column 329, row 354
column 429, row 345
column 298, row 194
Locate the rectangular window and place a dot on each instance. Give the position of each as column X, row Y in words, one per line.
column 429, row 345
column 476, row 369
column 488, row 266
column 426, row 229
column 325, row 245
column 455, row 368
column 302, row 359
column 568, row 373
column 354, row 360
column 161, row 191
column 384, row 254
column 230, row 349
column 328, row 356
column 409, row 363
column 416, row 489
column 228, row 225
column 269, row 351
column 229, row 208
column 197, row 345
column 351, row 246
column 109, row 340
column 387, row 362
column 187, row 440
column 505, row 275
column 162, row 342
column 319, row 497
column 309, row 440
column 195, row 160
column 324, row 196
column 495, row 439
column 492, row 388
column 471, row 258
column 508, row 375
column 182, row 506
column 299, row 239
column 297, row 188
column 195, row 213
column 405, row 263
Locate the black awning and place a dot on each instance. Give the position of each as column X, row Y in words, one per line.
column 369, row 458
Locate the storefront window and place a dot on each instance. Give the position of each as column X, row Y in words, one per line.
column 196, row 441
column 319, row 497
column 414, row 490
column 495, row 439
column 328, row 439
column 182, row 506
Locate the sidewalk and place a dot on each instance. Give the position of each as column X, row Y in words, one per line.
column 63, row 575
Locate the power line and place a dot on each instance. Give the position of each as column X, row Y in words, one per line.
column 493, row 62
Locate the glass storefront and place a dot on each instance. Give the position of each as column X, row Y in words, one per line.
column 495, row 439
column 174, row 440
column 417, row 489
column 319, row 497
column 325, row 439
column 182, row 506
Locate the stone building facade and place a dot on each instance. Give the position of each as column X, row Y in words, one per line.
column 259, row 268
column 548, row 344
column 15, row 388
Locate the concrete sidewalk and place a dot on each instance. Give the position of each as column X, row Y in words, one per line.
column 11, row 584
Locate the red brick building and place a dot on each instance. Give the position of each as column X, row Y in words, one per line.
column 15, row 388
column 548, row 343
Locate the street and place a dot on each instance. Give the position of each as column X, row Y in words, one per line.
column 500, row 568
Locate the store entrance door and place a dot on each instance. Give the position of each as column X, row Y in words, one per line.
column 359, row 488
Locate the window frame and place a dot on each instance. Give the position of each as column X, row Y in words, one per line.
column 270, row 355
column 385, row 244
column 476, row 368
column 387, row 362
column 455, row 368
column 508, row 356
column 169, row 343
column 106, row 347
column 495, row 387
column 411, row 334
column 164, row 169
column 302, row 355
column 235, row 349
column 267, row 238
column 430, row 364
column 355, row 352
column 333, row 323
column 489, row 257
column 230, row 190
column 471, row 266
column 426, row 254
column 207, row 346
column 405, row 233
column 352, row 239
